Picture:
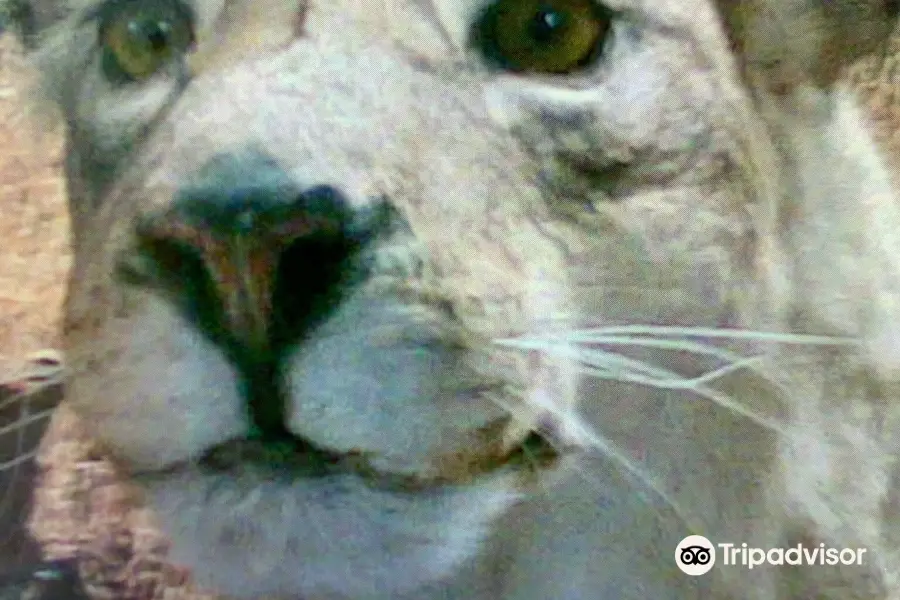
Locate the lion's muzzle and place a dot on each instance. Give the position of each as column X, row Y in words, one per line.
column 254, row 260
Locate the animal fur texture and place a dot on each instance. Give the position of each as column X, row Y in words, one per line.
column 677, row 265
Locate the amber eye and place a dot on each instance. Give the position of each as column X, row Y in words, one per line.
column 542, row 36
column 140, row 37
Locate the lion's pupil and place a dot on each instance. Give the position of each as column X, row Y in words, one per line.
column 157, row 34
column 548, row 25
column 152, row 34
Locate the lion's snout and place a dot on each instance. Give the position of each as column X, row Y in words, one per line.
column 251, row 258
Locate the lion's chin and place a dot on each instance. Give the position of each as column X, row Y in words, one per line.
column 255, row 535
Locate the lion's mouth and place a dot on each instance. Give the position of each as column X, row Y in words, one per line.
column 293, row 457
column 289, row 454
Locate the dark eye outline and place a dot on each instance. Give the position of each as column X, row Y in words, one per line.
column 483, row 39
column 111, row 14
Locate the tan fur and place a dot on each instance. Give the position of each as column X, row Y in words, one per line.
column 715, row 170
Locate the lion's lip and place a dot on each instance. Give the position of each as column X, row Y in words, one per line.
column 296, row 458
column 288, row 454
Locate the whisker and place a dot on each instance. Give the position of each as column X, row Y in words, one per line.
column 594, row 335
column 615, row 367
column 574, row 427
column 608, row 365
column 675, row 383
column 683, row 345
column 663, row 377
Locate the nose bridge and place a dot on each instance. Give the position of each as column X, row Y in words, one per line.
column 235, row 185
column 329, row 109
column 248, row 195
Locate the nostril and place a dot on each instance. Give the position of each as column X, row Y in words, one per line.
column 254, row 271
column 177, row 270
column 313, row 275
column 173, row 259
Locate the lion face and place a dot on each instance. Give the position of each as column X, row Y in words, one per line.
column 312, row 240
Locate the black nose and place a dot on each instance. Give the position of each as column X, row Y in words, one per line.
column 254, row 259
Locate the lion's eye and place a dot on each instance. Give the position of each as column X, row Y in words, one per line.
column 542, row 36
column 139, row 38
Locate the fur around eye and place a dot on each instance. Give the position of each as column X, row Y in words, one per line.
column 542, row 36
column 138, row 39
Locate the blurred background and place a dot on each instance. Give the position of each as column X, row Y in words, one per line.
column 34, row 260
